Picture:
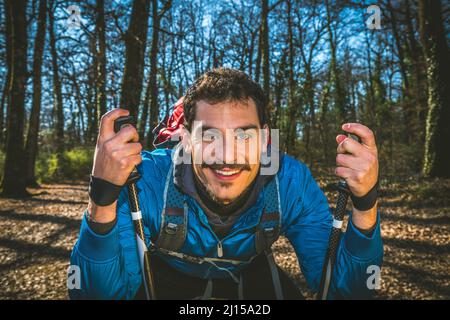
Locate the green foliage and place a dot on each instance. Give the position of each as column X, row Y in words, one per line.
column 74, row 164
column 78, row 162
column 46, row 167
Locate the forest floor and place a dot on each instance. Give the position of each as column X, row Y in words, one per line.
column 38, row 233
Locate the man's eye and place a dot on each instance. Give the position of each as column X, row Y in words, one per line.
column 207, row 137
column 242, row 136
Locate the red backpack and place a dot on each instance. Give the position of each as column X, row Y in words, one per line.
column 169, row 127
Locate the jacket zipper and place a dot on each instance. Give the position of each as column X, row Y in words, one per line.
column 219, row 249
column 219, row 242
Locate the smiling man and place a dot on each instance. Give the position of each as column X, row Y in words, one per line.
column 218, row 133
column 210, row 220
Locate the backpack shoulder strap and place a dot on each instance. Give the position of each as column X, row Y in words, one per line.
column 172, row 232
column 268, row 230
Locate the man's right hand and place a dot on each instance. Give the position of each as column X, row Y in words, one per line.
column 116, row 155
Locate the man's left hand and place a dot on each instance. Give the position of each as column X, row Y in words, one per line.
column 357, row 162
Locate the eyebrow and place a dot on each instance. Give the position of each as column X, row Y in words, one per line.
column 244, row 128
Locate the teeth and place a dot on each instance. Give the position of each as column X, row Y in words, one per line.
column 226, row 173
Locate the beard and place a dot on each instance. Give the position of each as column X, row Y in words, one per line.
column 208, row 191
column 225, row 185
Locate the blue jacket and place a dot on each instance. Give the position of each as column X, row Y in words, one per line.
column 110, row 266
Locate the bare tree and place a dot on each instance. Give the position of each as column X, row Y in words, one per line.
column 4, row 102
column 437, row 143
column 293, row 106
column 101, row 59
column 157, row 14
column 135, row 44
column 14, row 177
column 31, row 146
column 57, row 92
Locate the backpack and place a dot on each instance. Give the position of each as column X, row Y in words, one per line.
column 169, row 127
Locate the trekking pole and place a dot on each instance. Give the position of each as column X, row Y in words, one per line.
column 333, row 243
column 136, row 215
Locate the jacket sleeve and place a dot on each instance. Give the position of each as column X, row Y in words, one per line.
column 308, row 227
column 107, row 263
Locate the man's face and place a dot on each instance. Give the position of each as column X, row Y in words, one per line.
column 226, row 146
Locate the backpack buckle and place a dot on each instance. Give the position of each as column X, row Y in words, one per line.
column 269, row 232
column 171, row 228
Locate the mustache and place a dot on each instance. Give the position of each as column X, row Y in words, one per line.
column 232, row 166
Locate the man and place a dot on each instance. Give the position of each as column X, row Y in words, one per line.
column 210, row 220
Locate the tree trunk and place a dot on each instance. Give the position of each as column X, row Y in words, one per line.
column 399, row 45
column 154, row 107
column 382, row 113
column 408, row 105
column 339, row 94
column 265, row 48
column 323, row 120
column 57, row 93
column 78, row 99
column 278, row 92
column 14, row 177
column 258, row 55
column 144, row 115
column 292, row 130
column 101, row 60
column 135, row 44
column 152, row 87
column 4, row 103
column 419, row 80
column 309, row 92
column 251, row 49
column 91, row 105
column 153, row 83
column 33, row 128
column 437, row 142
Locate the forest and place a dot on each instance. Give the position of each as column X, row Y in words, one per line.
column 64, row 64
column 386, row 64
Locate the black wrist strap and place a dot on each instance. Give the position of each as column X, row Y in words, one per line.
column 367, row 201
column 100, row 227
column 102, row 192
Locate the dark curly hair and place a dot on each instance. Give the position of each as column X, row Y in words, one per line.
column 224, row 84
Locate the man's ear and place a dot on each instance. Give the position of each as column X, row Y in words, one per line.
column 265, row 138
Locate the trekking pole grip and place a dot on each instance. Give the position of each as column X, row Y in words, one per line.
column 120, row 123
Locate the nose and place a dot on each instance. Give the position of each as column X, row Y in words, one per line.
column 229, row 149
